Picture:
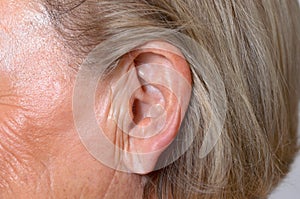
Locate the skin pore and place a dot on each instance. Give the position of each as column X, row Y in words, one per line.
column 40, row 152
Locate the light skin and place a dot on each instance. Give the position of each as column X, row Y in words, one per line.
column 40, row 151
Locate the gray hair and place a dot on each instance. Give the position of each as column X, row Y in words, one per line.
column 253, row 48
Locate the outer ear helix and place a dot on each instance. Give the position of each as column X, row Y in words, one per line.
column 101, row 61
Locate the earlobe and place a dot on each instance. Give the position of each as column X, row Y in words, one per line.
column 150, row 100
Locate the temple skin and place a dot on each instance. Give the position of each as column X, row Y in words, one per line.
column 40, row 152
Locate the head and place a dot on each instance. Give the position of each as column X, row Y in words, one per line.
column 159, row 99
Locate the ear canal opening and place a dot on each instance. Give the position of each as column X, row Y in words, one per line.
column 138, row 110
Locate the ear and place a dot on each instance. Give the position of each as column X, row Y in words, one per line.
column 151, row 90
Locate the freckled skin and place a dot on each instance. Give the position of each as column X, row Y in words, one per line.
column 40, row 152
